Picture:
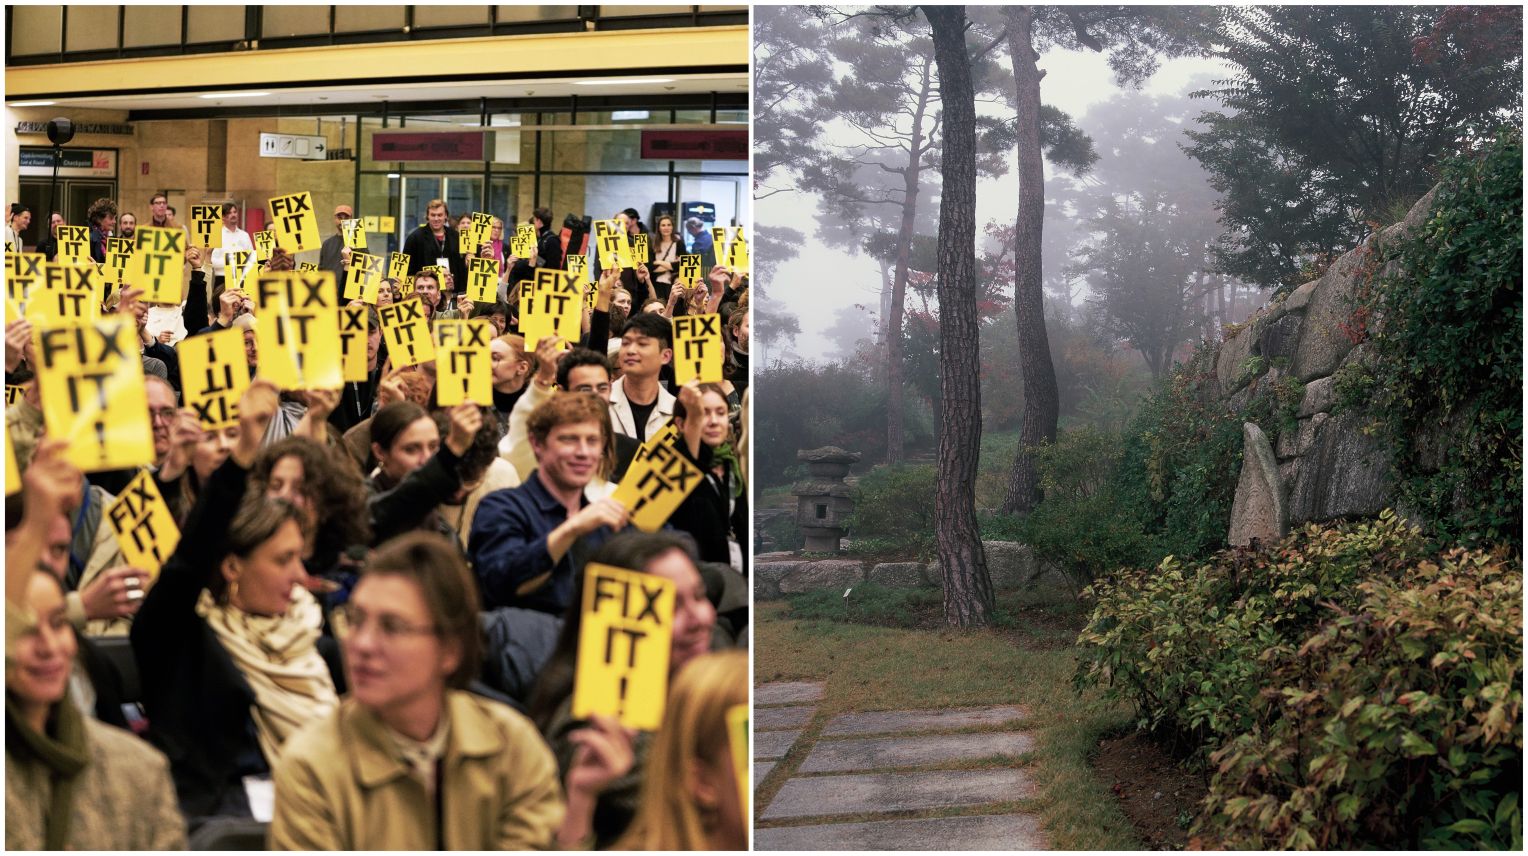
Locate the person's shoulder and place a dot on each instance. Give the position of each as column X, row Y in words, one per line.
column 123, row 747
column 475, row 712
column 317, row 738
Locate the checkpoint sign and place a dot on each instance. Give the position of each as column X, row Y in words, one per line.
column 654, row 486
column 298, row 330
column 407, row 332
column 214, row 374
column 146, row 530
column 698, row 348
column 294, row 222
column 462, row 361
column 623, row 646
column 90, row 379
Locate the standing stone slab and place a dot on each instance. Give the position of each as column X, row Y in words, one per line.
column 768, row 745
column 892, row 721
column 777, row 718
column 1258, row 509
column 983, row 832
column 1345, row 473
column 882, row 792
column 787, row 692
column 874, row 753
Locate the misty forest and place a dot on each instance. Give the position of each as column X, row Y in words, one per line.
column 1234, row 371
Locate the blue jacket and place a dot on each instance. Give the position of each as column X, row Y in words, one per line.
column 508, row 548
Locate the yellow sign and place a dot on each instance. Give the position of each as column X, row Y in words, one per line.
column 654, row 487
column 388, row 224
column 294, row 222
column 737, row 738
column 372, row 224
column 613, row 243
column 74, row 244
column 464, row 243
column 236, row 264
column 623, row 646
column 355, row 233
column 298, row 330
column 578, row 265
column 689, row 270
column 158, row 259
column 719, row 241
column 214, row 374
column 12, row 469
column 207, row 226
column 698, row 348
column 13, row 393
column 665, row 436
column 398, row 266
column 307, row 267
column 737, row 254
column 482, row 280
column 363, row 278
column 146, row 530
column 639, row 247
column 482, row 229
column 407, row 332
column 23, row 271
column 353, row 344
column 462, row 363
column 265, row 241
column 524, row 244
column 553, row 308
column 90, row 379
column 68, row 295
column 406, row 286
column 119, row 258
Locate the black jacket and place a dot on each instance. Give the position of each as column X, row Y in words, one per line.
column 423, row 250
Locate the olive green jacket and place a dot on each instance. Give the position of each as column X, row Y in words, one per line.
column 341, row 785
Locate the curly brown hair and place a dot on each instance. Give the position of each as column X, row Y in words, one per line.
column 334, row 489
column 100, row 209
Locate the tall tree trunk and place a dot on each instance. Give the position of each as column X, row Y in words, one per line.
column 1042, row 405
column 894, row 340
column 967, row 587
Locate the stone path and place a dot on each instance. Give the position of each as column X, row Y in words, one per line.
column 850, row 781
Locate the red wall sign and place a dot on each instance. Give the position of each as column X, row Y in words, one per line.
column 695, row 145
column 447, row 146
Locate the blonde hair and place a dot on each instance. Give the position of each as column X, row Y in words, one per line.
column 694, row 733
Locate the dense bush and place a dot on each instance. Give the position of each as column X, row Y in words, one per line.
column 894, row 507
column 1398, row 723
column 1450, row 348
column 1352, row 690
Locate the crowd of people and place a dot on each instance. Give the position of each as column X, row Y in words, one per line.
column 367, row 634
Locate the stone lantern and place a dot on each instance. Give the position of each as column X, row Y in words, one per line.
column 823, row 500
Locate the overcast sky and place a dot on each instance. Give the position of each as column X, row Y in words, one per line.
column 821, row 281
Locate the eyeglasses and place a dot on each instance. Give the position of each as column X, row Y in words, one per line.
column 163, row 414
column 348, row 620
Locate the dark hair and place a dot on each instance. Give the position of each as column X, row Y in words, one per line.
column 100, row 209
column 333, row 487
column 632, row 213
column 229, row 206
column 258, row 520
column 484, row 448
column 483, row 310
column 629, row 550
column 17, row 209
column 580, row 357
column 448, row 588
column 544, row 214
column 393, row 420
column 653, row 326
column 159, row 195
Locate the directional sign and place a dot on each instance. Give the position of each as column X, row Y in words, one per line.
column 293, row 146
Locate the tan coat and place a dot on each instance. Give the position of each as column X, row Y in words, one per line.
column 341, row 785
column 124, row 799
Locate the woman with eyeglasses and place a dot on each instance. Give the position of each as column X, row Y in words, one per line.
column 226, row 640
column 410, row 761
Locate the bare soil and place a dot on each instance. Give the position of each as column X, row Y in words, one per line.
column 1158, row 795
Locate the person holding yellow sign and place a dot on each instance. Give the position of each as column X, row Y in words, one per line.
column 603, row 767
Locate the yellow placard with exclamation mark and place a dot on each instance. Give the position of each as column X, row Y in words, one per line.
column 90, row 379
column 623, row 646
column 698, row 348
column 407, row 333
column 461, row 362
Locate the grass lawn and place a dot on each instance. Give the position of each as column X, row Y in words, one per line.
column 1027, row 660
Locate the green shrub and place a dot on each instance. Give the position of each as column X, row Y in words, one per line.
column 866, row 603
column 782, row 531
column 894, row 506
column 1398, row 724
column 1450, row 352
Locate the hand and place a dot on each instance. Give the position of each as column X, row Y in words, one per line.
column 114, row 593
column 18, row 334
column 602, row 512
column 194, row 257
column 463, row 305
column 229, row 303
column 345, row 256
column 548, row 351
column 389, row 391
column 256, row 409
column 466, row 419
column 165, row 336
column 698, row 301
column 689, row 396
column 51, row 485
column 642, row 275
column 719, row 276
column 185, row 432
column 127, row 303
column 603, row 754
column 322, row 402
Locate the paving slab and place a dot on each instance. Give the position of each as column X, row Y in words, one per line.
column 760, row 770
column 846, row 756
column 891, row 721
column 773, row 744
column 776, row 718
column 882, row 792
column 985, row 832
column 789, row 692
